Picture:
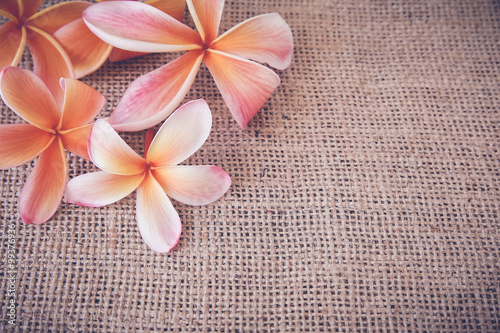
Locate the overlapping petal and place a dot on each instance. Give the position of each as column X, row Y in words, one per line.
column 193, row 185
column 159, row 223
column 9, row 9
column 86, row 51
column 39, row 109
column 54, row 17
column 174, row 8
column 12, row 42
column 75, row 140
column 110, row 153
column 81, row 104
column 153, row 96
column 265, row 38
column 50, row 61
column 206, row 16
column 135, row 26
column 182, row 134
column 28, row 7
column 244, row 85
column 100, row 188
column 20, row 143
column 42, row 193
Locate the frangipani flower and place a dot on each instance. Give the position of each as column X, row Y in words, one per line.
column 60, row 43
column 49, row 132
column 245, row 85
column 174, row 8
column 155, row 176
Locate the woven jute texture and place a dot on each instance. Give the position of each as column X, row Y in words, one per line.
column 365, row 194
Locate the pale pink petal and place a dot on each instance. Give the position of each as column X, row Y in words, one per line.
column 119, row 54
column 174, row 8
column 182, row 134
column 76, row 140
column 158, row 222
column 100, row 188
column 39, row 109
column 50, row 61
column 152, row 97
column 9, row 9
column 54, row 17
column 28, row 7
column 110, row 153
column 135, row 26
column 12, row 43
column 81, row 104
column 20, row 143
column 86, row 51
column 193, row 185
column 244, row 85
column 206, row 16
column 42, row 193
column 266, row 38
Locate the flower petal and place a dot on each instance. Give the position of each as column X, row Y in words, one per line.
column 100, row 188
column 266, row 38
column 42, row 193
column 119, row 54
column 76, row 140
column 135, row 26
column 81, row 104
column 244, row 85
column 174, row 8
column 182, row 134
column 12, row 42
column 39, row 109
column 158, row 222
column 206, row 16
column 20, row 143
column 9, row 9
column 110, row 153
column 29, row 7
column 86, row 51
column 50, row 61
column 54, row 17
column 152, row 97
column 193, row 185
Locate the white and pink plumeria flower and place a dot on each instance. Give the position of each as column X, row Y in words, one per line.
column 156, row 176
column 245, row 85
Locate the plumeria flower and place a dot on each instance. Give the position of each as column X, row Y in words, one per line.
column 155, row 175
column 49, row 131
column 60, row 43
column 244, row 84
column 174, row 8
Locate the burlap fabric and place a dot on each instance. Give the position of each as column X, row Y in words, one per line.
column 365, row 193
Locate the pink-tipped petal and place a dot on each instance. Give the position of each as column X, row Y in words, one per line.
column 81, row 104
column 266, row 38
column 154, row 96
column 181, row 135
column 86, row 51
column 42, row 193
column 76, row 140
column 193, row 185
column 206, row 16
column 10, row 9
column 158, row 222
column 244, row 85
column 28, row 7
column 135, row 26
column 12, row 42
column 54, row 17
column 50, row 61
column 110, row 153
column 39, row 109
column 100, row 188
column 20, row 143
column 174, row 8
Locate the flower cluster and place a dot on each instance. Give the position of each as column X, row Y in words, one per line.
column 72, row 39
